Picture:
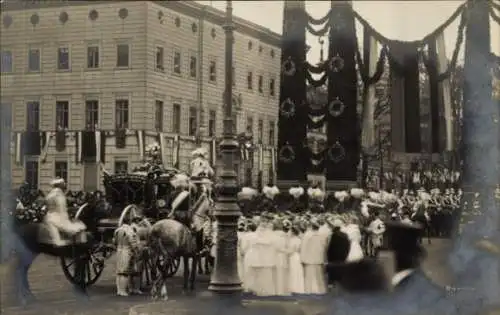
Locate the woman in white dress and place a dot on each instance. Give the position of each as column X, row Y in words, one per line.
column 354, row 234
column 282, row 257
column 295, row 268
column 262, row 259
column 241, row 239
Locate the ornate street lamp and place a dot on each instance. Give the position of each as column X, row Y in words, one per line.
column 225, row 280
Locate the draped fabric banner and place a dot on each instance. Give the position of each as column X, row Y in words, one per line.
column 140, row 143
column 432, row 70
column 293, row 118
column 368, row 131
column 213, row 152
column 19, row 148
column 48, row 137
column 446, row 91
column 98, row 146
column 78, row 150
column 342, row 118
column 175, row 151
column 161, row 142
column 405, row 87
column 273, row 165
column 260, row 166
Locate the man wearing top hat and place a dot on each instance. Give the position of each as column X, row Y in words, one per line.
column 411, row 287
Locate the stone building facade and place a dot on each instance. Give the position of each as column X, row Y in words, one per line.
column 153, row 67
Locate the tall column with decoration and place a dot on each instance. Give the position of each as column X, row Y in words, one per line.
column 342, row 119
column 480, row 141
column 293, row 110
column 225, row 280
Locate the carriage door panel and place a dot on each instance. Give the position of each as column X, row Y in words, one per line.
column 90, row 177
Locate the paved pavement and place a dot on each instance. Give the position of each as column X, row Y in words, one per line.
column 56, row 297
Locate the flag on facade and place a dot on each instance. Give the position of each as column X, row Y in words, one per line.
column 140, row 143
column 47, row 136
column 162, row 148
column 213, row 152
column 273, row 164
column 260, row 180
column 368, row 131
column 176, row 148
column 78, row 147
column 98, row 146
column 446, row 90
column 19, row 146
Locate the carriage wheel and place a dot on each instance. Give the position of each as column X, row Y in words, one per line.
column 170, row 267
column 128, row 214
column 94, row 266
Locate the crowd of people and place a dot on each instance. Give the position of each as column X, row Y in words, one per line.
column 283, row 250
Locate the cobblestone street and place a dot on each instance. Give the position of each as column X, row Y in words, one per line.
column 55, row 294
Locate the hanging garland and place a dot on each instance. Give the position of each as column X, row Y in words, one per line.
column 316, row 83
column 494, row 16
column 319, row 69
column 336, row 153
column 320, row 33
column 386, row 41
column 336, row 107
column 288, row 67
column 460, row 38
column 287, row 154
column 495, row 6
column 320, row 21
column 336, row 64
column 379, row 68
column 287, row 108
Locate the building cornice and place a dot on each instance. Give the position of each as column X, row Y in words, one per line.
column 190, row 8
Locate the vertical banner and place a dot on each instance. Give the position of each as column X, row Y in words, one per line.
column 175, row 151
column 79, row 147
column 368, row 131
column 140, row 144
column 162, row 149
column 260, row 167
column 98, row 146
column 47, row 136
column 293, row 118
column 19, row 146
column 213, row 152
column 273, row 164
column 446, row 91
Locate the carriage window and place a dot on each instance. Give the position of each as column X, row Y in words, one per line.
column 31, row 174
column 121, row 167
column 33, row 116
column 62, row 115
column 91, row 114
column 61, row 170
column 121, row 114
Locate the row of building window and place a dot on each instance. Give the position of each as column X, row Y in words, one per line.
column 123, row 61
column 122, row 115
column 61, row 170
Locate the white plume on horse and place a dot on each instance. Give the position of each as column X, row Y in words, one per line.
column 296, row 192
column 200, row 152
column 270, row 192
column 247, row 193
column 180, row 181
column 153, row 148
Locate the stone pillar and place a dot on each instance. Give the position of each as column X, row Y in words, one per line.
column 480, row 141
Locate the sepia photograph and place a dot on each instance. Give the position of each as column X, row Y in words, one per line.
column 250, row 157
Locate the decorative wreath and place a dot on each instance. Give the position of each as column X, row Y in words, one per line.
column 287, row 154
column 336, row 64
column 336, row 153
column 287, row 108
column 336, row 107
column 288, row 67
